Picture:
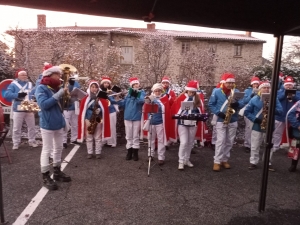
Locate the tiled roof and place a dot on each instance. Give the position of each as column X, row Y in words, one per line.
column 173, row 33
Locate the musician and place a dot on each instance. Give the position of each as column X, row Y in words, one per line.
column 52, row 124
column 91, row 106
column 132, row 105
column 255, row 112
column 286, row 102
column 186, row 133
column 40, row 77
column 218, row 104
column 281, row 81
column 250, row 92
column 167, row 89
column 105, row 85
column 159, row 123
column 70, row 115
column 17, row 91
column 293, row 116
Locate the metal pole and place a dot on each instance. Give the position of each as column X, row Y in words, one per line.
column 1, row 199
column 272, row 106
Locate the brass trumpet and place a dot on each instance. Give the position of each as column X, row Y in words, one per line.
column 67, row 71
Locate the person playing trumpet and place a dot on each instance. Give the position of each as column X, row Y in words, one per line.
column 99, row 130
column 256, row 113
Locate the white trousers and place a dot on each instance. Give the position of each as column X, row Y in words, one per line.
column 257, row 139
column 113, row 129
column 186, row 136
column 277, row 134
column 18, row 118
column 157, row 131
column 72, row 119
column 248, row 129
column 224, row 143
column 52, row 140
column 132, row 129
column 90, row 140
column 214, row 136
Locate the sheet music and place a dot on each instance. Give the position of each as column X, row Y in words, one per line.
column 78, row 93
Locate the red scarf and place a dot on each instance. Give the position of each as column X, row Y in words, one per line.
column 226, row 90
column 53, row 83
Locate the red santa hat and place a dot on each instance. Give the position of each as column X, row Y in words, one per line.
column 289, row 80
column 222, row 81
column 255, row 80
column 133, row 80
column 20, row 72
column 228, row 77
column 105, row 79
column 51, row 70
column 165, row 79
column 264, row 84
column 90, row 84
column 47, row 66
column 192, row 86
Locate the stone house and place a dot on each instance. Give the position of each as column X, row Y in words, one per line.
column 231, row 49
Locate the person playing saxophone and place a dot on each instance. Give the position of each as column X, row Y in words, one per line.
column 221, row 104
column 93, row 120
column 257, row 111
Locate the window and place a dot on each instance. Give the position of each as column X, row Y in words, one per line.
column 212, row 48
column 237, row 50
column 185, row 47
column 127, row 55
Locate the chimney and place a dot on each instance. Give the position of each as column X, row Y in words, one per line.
column 248, row 33
column 41, row 21
column 150, row 26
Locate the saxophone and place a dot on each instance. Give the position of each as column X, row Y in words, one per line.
column 93, row 122
column 230, row 111
column 263, row 125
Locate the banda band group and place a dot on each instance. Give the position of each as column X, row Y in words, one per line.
column 161, row 117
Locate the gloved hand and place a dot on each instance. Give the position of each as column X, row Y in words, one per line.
column 58, row 94
column 221, row 115
column 134, row 93
column 72, row 81
column 234, row 105
column 257, row 120
column 98, row 119
column 87, row 122
column 97, row 111
column 22, row 94
column 252, row 95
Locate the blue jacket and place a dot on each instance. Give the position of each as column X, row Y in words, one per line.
column 71, row 87
column 247, row 96
column 156, row 117
column 51, row 117
column 38, row 82
column 253, row 108
column 12, row 93
column 216, row 101
column 294, row 122
column 286, row 105
column 132, row 106
column 90, row 109
column 111, row 108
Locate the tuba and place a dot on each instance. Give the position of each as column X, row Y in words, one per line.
column 230, row 111
column 67, row 71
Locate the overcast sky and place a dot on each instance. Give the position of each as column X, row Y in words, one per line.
column 11, row 17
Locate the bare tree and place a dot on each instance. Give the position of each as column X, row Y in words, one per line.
column 155, row 57
column 6, row 62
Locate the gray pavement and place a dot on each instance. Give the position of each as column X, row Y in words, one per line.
column 115, row 191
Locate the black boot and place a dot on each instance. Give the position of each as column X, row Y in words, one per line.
column 129, row 154
column 293, row 166
column 60, row 176
column 48, row 182
column 135, row 154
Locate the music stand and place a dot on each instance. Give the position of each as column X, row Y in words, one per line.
column 150, row 109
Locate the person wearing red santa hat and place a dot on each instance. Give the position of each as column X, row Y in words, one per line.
column 254, row 112
column 250, row 92
column 167, row 89
column 159, row 122
column 90, row 106
column 218, row 104
column 281, row 81
column 19, row 90
column 105, row 85
column 52, row 124
column 185, row 129
column 287, row 101
column 132, row 105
